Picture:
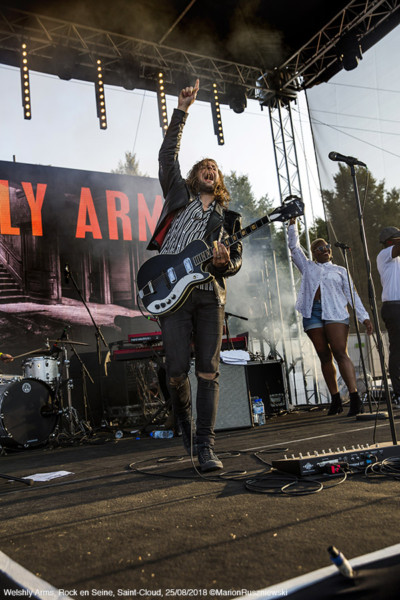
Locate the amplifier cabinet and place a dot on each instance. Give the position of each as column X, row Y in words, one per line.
column 238, row 383
column 268, row 381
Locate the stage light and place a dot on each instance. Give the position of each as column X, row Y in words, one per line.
column 100, row 97
column 216, row 115
column 162, row 103
column 273, row 89
column 237, row 98
column 25, row 87
column 348, row 51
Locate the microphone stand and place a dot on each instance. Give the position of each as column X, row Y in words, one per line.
column 372, row 300
column 345, row 249
column 99, row 334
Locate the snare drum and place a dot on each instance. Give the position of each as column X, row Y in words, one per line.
column 44, row 368
column 27, row 415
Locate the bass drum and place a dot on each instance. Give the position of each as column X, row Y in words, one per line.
column 27, row 417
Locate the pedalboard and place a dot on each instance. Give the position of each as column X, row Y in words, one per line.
column 357, row 457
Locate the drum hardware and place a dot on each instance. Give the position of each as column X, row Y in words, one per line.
column 31, row 405
column 73, row 425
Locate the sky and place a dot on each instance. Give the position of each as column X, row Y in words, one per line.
column 357, row 113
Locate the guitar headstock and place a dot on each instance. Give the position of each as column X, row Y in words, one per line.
column 292, row 207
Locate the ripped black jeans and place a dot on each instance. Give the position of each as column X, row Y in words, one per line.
column 200, row 320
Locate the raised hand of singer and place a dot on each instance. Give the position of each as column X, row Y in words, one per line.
column 188, row 96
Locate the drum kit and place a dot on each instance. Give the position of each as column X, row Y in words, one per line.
column 33, row 407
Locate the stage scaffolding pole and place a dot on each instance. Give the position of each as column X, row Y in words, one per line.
column 289, row 184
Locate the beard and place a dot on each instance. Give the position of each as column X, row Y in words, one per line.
column 206, row 188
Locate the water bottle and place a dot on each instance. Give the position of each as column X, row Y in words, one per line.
column 254, row 409
column 258, row 411
column 162, row 433
column 261, row 414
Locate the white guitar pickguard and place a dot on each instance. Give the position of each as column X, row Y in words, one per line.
column 175, row 294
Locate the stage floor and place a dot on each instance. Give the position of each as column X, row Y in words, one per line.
column 135, row 519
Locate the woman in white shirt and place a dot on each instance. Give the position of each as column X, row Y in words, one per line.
column 323, row 298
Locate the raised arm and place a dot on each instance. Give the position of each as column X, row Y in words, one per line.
column 188, row 96
column 298, row 256
column 169, row 169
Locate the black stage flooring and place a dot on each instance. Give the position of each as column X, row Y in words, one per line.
column 135, row 519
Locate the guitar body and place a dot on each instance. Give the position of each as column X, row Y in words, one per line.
column 166, row 280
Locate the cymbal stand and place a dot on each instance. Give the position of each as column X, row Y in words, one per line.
column 74, row 424
column 71, row 414
column 85, row 374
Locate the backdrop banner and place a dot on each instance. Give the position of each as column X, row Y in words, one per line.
column 70, row 238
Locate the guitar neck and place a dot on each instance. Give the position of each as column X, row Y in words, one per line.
column 294, row 208
column 235, row 237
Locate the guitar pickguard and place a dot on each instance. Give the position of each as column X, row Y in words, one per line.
column 178, row 293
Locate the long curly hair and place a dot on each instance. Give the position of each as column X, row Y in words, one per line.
column 221, row 194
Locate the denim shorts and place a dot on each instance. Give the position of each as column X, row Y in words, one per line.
column 316, row 321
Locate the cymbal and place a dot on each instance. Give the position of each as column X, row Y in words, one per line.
column 69, row 342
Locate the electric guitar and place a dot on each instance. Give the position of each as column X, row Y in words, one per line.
column 165, row 281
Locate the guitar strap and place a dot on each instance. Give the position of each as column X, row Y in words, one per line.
column 215, row 221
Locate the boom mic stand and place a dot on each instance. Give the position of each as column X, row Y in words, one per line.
column 372, row 300
column 345, row 249
column 99, row 334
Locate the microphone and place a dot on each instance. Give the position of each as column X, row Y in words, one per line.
column 66, row 273
column 342, row 246
column 349, row 160
column 341, row 562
